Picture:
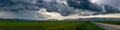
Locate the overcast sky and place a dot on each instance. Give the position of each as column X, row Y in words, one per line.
column 59, row 9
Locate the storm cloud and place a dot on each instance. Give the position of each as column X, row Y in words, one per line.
column 31, row 9
column 89, row 6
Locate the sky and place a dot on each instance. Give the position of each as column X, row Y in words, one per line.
column 59, row 9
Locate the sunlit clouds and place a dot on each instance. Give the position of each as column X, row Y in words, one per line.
column 55, row 15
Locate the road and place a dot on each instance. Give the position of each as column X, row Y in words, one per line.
column 107, row 26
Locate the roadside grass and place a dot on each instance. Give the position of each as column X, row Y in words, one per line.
column 111, row 22
column 46, row 25
column 89, row 26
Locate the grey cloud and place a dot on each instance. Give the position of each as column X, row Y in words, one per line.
column 20, row 9
column 87, row 5
column 25, row 14
column 81, row 7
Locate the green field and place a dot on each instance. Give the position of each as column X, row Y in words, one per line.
column 111, row 22
column 47, row 25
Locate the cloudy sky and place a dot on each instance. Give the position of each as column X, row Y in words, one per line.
column 59, row 9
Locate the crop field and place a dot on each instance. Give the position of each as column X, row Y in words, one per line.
column 48, row 25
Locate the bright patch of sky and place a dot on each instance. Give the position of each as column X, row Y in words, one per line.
column 55, row 15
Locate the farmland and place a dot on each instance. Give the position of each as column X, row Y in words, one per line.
column 48, row 25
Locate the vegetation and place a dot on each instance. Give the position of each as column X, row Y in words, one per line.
column 89, row 26
column 48, row 25
column 111, row 22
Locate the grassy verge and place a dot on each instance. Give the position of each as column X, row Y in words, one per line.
column 111, row 22
column 48, row 26
column 89, row 26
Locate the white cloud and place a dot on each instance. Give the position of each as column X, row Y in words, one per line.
column 93, row 1
column 117, row 15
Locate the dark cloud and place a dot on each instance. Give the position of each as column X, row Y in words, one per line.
column 87, row 5
column 19, row 4
column 21, row 9
column 82, row 6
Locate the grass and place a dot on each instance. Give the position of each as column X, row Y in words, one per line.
column 89, row 26
column 111, row 22
column 46, row 25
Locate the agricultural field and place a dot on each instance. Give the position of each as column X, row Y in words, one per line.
column 48, row 25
